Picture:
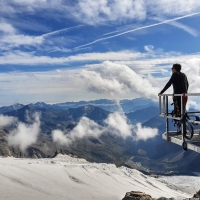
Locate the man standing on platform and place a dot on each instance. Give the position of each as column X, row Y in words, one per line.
column 180, row 85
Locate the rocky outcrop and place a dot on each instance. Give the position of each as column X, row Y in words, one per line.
column 135, row 195
column 64, row 152
column 195, row 197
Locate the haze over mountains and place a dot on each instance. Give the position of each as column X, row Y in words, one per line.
column 150, row 156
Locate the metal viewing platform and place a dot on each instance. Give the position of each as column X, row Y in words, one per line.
column 173, row 136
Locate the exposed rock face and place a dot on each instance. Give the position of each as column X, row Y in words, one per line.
column 64, row 152
column 195, row 197
column 135, row 195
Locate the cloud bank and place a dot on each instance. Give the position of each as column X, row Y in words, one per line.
column 25, row 134
column 115, row 78
column 116, row 124
column 7, row 120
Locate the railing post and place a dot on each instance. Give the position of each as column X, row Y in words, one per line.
column 167, row 120
column 160, row 107
column 164, row 104
column 182, row 127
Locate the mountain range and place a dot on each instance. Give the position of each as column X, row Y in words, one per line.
column 153, row 156
column 109, row 105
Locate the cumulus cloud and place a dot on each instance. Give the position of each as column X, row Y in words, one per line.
column 96, row 12
column 193, row 103
column 91, row 12
column 144, row 133
column 73, row 81
column 7, row 120
column 116, row 124
column 59, row 137
column 100, row 11
column 191, row 69
column 25, row 134
column 172, row 7
column 115, row 78
column 6, row 28
column 84, row 128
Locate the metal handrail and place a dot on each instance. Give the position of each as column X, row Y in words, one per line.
column 178, row 95
column 164, row 112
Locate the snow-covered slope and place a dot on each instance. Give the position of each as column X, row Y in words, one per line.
column 65, row 177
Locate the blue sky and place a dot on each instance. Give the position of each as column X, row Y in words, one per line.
column 57, row 51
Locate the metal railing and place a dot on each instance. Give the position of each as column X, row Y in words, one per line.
column 164, row 111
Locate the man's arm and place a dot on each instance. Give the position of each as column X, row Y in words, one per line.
column 168, row 84
column 187, row 85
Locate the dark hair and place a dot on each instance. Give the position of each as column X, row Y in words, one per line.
column 177, row 67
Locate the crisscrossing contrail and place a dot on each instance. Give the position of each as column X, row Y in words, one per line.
column 140, row 28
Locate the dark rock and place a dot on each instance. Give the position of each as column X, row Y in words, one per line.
column 135, row 195
column 197, row 195
column 64, row 152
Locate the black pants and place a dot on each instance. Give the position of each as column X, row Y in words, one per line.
column 177, row 102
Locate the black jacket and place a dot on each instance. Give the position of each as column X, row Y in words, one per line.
column 180, row 83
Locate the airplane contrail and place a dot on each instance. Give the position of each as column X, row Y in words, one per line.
column 140, row 28
column 58, row 31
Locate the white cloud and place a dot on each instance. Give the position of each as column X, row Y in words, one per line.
column 193, row 103
column 25, row 134
column 84, row 128
column 7, row 120
column 130, row 58
column 116, row 124
column 172, row 7
column 117, row 79
column 191, row 69
column 59, row 137
column 149, row 48
column 144, row 133
column 112, row 78
column 89, row 12
column 186, row 28
column 97, row 12
column 101, row 11
column 6, row 28
column 18, row 57
column 12, row 37
column 16, row 40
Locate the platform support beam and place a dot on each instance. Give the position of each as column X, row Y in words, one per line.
column 167, row 119
column 182, row 125
column 160, row 106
